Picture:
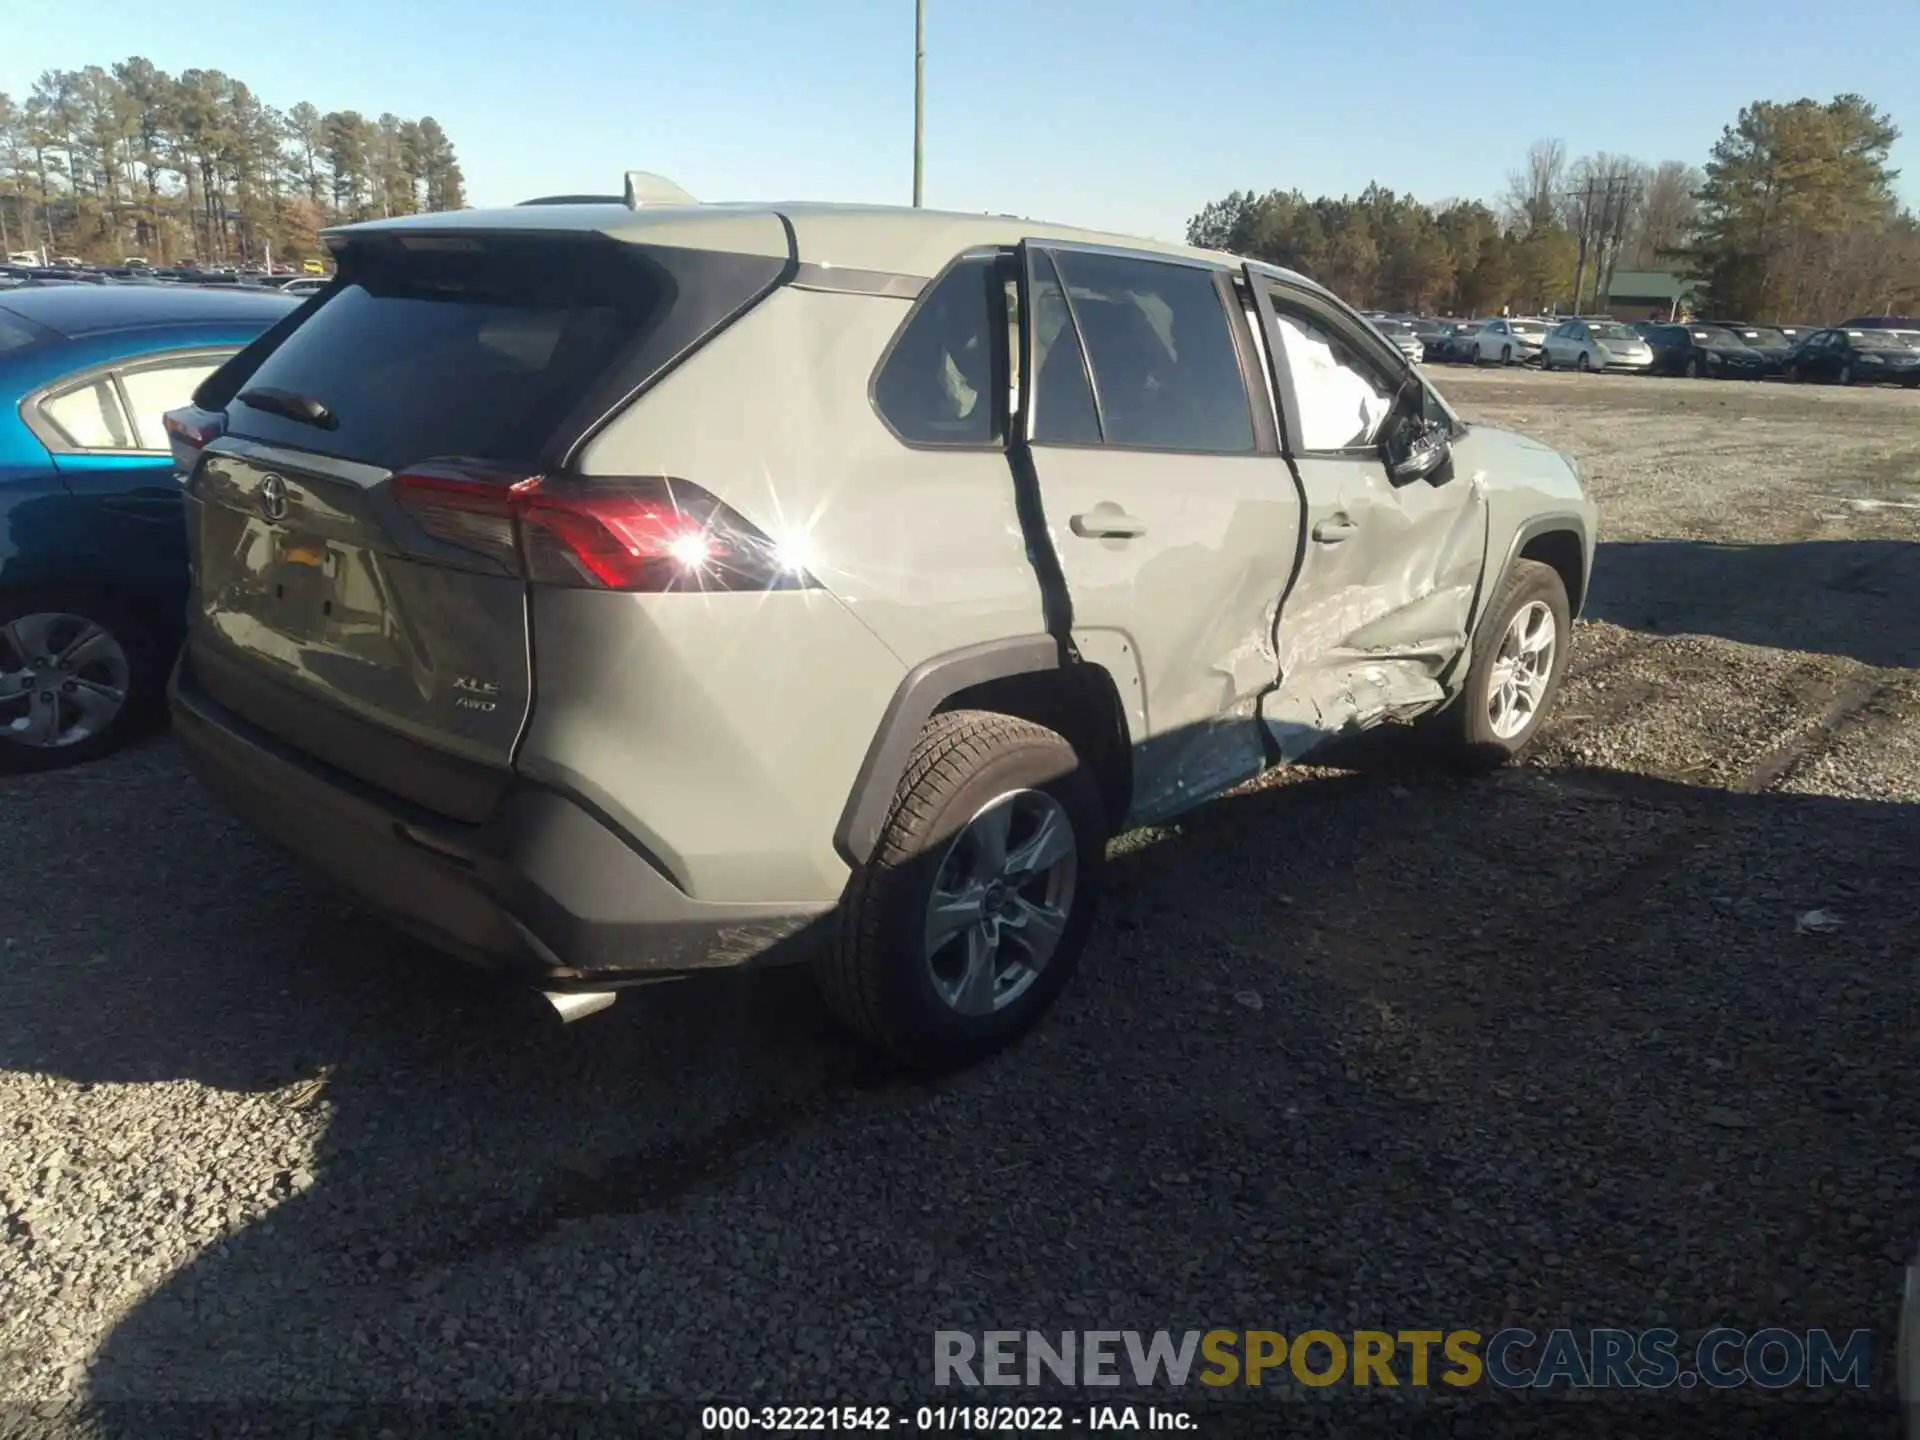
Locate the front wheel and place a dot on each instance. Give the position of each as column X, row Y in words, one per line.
column 77, row 675
column 1506, row 355
column 1845, row 377
column 1546, row 359
column 1520, row 655
column 976, row 905
column 1586, row 363
column 1693, row 369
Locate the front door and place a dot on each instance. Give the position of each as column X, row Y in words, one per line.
column 1174, row 518
column 1388, row 585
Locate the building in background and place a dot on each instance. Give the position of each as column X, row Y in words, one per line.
column 1649, row 295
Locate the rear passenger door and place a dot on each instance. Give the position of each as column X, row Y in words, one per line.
column 103, row 429
column 1385, row 595
column 1154, row 450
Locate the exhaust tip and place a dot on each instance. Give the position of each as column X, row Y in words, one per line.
column 572, row 1005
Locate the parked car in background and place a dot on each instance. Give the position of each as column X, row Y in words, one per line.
column 1594, row 345
column 1774, row 344
column 1509, row 342
column 1454, row 344
column 93, row 559
column 1404, row 338
column 1702, row 351
column 469, row 438
column 304, row 285
column 1429, row 330
column 1851, row 357
column 1882, row 322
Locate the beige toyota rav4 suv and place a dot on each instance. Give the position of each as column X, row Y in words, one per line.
column 612, row 591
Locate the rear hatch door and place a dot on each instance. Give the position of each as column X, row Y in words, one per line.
column 314, row 583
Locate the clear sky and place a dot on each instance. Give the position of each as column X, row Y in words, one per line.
column 1121, row 114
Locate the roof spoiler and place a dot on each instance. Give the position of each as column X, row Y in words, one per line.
column 646, row 188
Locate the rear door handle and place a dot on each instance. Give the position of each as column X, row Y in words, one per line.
column 1332, row 532
column 1107, row 521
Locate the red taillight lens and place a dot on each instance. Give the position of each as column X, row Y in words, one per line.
column 193, row 425
column 649, row 534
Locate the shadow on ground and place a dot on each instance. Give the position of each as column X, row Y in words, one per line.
column 1833, row 597
column 1478, row 1074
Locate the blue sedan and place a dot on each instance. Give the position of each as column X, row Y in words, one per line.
column 93, row 556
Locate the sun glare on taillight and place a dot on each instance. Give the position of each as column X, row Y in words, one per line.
column 647, row 534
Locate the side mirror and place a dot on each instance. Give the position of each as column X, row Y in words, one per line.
column 1424, row 457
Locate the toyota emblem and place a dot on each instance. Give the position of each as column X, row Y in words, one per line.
column 273, row 498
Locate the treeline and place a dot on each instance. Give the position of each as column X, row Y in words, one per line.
column 1793, row 218
column 106, row 163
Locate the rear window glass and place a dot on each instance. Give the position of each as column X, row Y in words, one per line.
column 16, row 334
column 477, row 353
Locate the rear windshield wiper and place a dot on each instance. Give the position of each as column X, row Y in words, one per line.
column 292, row 406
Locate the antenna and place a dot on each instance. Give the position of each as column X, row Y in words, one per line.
column 646, row 188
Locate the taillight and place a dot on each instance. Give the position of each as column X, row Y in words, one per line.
column 193, row 425
column 647, row 533
column 189, row 430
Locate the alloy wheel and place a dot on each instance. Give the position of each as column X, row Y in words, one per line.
column 1000, row 901
column 1522, row 669
column 63, row 679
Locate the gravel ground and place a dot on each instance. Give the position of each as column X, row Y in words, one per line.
column 1350, row 1049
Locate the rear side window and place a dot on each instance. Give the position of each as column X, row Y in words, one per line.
column 88, row 417
column 153, row 390
column 1165, row 374
column 935, row 386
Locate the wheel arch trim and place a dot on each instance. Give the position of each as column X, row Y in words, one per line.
column 1532, row 529
column 920, row 693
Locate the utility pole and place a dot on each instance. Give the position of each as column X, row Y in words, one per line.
column 1580, row 270
column 919, row 93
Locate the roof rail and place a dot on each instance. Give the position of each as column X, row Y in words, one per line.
column 574, row 200
column 646, row 188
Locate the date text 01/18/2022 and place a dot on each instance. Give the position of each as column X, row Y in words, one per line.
column 936, row 1419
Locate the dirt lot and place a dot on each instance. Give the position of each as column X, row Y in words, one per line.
column 1362, row 1049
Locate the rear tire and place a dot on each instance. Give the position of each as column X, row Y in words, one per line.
column 1845, row 377
column 885, row 977
column 1692, row 371
column 120, row 655
column 1468, row 729
column 1586, row 363
column 1506, row 355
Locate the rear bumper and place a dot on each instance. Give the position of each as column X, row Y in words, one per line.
column 543, row 890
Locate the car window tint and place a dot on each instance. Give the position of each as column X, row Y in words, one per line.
column 1164, row 367
column 153, row 390
column 1063, row 406
column 1342, row 399
column 482, row 352
column 89, row 417
column 936, row 385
